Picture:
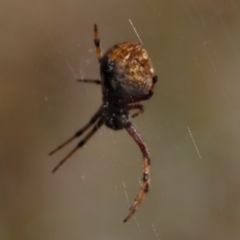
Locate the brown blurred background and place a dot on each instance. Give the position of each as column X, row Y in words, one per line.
column 191, row 125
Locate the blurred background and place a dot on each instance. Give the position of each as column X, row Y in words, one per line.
column 191, row 125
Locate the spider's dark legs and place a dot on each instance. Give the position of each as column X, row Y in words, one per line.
column 138, row 106
column 97, row 43
column 89, row 81
column 144, row 188
column 81, row 131
column 81, row 143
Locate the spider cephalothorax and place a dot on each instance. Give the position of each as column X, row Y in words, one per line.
column 127, row 78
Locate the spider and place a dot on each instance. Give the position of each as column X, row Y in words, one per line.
column 127, row 78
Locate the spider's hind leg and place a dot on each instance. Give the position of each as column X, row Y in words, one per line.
column 144, row 188
column 81, row 143
column 95, row 117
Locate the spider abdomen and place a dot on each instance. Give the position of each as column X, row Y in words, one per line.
column 126, row 72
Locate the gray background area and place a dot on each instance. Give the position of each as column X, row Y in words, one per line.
column 191, row 125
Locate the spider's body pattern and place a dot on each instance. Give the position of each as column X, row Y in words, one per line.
column 127, row 78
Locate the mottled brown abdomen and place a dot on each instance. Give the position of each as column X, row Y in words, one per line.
column 126, row 71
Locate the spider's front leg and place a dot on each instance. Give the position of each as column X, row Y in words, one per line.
column 144, row 188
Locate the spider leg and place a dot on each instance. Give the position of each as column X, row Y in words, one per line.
column 81, row 143
column 144, row 188
column 89, row 81
column 79, row 132
column 138, row 106
column 97, row 43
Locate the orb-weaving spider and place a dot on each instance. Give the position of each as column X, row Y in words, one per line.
column 127, row 77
